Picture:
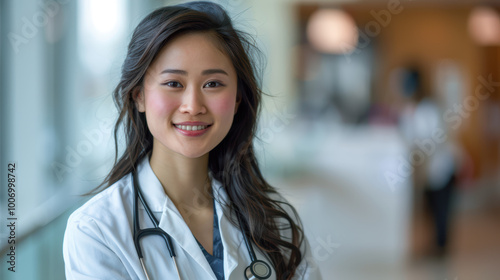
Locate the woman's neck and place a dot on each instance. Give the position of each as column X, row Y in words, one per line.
column 185, row 180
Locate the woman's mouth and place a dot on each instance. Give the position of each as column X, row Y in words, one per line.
column 193, row 129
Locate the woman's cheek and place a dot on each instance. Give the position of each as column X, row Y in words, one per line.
column 225, row 106
column 161, row 105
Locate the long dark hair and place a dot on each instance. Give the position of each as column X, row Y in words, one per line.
column 232, row 162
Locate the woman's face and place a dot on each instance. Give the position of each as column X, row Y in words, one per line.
column 189, row 96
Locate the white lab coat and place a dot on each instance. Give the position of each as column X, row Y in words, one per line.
column 98, row 242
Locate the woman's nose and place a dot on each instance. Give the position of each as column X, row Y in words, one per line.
column 193, row 102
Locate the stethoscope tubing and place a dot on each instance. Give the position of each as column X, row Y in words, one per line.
column 249, row 272
column 138, row 233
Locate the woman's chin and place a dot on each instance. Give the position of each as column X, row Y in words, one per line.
column 193, row 154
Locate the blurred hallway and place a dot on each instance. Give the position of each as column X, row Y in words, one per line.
column 360, row 228
column 356, row 223
column 474, row 251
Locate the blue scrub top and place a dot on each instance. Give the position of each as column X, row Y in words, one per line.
column 216, row 260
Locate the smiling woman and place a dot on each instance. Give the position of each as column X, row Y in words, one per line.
column 188, row 101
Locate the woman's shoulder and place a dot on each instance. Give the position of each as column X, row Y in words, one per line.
column 94, row 236
column 107, row 204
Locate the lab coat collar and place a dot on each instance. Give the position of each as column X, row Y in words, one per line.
column 151, row 187
column 171, row 220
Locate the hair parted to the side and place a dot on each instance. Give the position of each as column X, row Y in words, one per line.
column 232, row 162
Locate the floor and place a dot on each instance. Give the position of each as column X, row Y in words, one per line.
column 474, row 249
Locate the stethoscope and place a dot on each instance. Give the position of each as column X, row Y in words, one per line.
column 256, row 270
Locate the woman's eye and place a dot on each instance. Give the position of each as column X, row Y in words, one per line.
column 213, row 84
column 173, row 84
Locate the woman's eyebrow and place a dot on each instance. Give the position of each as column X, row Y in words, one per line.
column 174, row 71
column 205, row 72
column 214, row 71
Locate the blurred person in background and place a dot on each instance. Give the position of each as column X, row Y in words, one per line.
column 433, row 155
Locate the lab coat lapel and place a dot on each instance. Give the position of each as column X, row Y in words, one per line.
column 173, row 223
column 151, row 187
column 230, row 235
column 170, row 220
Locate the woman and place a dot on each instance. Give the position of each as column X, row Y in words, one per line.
column 188, row 100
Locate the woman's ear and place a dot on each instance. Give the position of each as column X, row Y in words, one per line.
column 138, row 96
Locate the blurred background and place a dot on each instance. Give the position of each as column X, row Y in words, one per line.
column 383, row 126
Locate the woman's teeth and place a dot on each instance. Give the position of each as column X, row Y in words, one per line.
column 191, row 127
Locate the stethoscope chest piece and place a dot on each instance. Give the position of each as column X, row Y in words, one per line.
column 258, row 270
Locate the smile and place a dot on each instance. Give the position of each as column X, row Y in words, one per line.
column 193, row 130
column 191, row 127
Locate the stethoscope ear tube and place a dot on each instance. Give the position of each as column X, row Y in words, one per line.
column 250, row 250
column 136, row 220
column 138, row 233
